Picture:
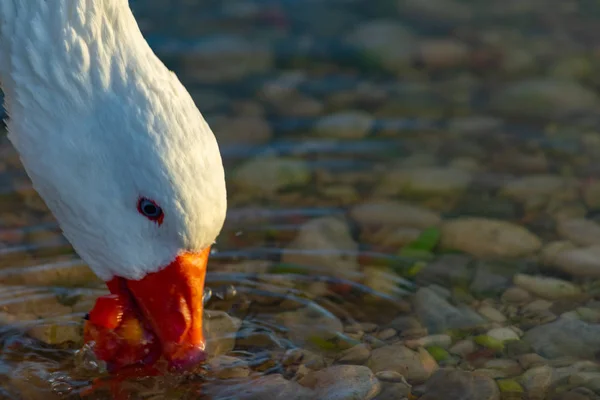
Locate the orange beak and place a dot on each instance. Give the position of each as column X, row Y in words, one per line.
column 165, row 308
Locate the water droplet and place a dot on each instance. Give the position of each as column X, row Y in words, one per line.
column 230, row 292
column 86, row 359
column 207, row 295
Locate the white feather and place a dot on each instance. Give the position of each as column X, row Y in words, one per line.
column 99, row 121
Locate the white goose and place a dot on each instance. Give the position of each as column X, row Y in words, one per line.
column 116, row 147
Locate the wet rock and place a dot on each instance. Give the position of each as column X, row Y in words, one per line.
column 57, row 333
column 308, row 359
column 580, row 231
column 516, row 295
column 591, row 195
column 219, row 331
column 393, row 386
column 536, row 187
column 491, row 313
column 463, row 348
column 272, row 387
column 310, row 325
column 544, row 98
column 265, row 175
column 506, row 366
column 450, row 384
column 241, row 130
column 325, row 244
column 565, row 337
column 393, row 213
column 344, row 125
column 537, row 381
column 490, row 280
column 438, row 315
column 226, row 367
column 225, row 58
column 425, row 182
column 343, row 382
column 547, row 288
column 442, row 340
column 415, row 366
column 446, row 269
column 356, row 355
column 69, row 273
column 503, row 334
column 443, row 53
column 387, row 42
column 483, row 237
column 583, row 262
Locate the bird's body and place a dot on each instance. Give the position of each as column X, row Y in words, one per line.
column 100, row 125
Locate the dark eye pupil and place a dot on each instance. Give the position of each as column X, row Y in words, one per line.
column 150, row 209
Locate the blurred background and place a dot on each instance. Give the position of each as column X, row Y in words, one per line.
column 413, row 187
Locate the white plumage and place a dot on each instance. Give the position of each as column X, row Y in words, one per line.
column 99, row 121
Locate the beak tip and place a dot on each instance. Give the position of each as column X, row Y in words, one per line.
column 188, row 358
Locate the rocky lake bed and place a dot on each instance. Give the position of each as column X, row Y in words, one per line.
column 414, row 208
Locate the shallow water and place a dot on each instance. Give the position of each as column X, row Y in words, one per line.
column 358, row 137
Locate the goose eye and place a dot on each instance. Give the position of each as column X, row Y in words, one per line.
column 149, row 209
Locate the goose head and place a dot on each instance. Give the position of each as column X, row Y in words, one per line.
column 116, row 147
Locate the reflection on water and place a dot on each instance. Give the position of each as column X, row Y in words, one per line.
column 413, row 188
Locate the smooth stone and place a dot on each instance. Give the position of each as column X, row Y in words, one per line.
column 443, row 53
column 536, row 186
column 356, row 355
column 463, row 348
column 415, row 366
column 438, row 315
column 226, row 367
column 489, row 281
column 584, row 261
column 451, row 384
column 483, row 237
column 441, row 340
column 344, row 125
column 546, row 287
column 581, row 231
column 503, row 334
column 241, row 130
column 491, row 314
column 394, row 213
column 425, row 182
column 390, row 376
column 543, row 98
column 326, row 245
column 516, row 295
column 220, row 331
column 508, row 367
column 272, row 387
column 537, row 381
column 565, row 337
column 591, row 194
column 308, row 323
column 447, row 269
column 265, row 175
column 394, row 391
column 343, row 382
column 227, row 58
column 57, row 333
column 552, row 249
column 387, row 42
